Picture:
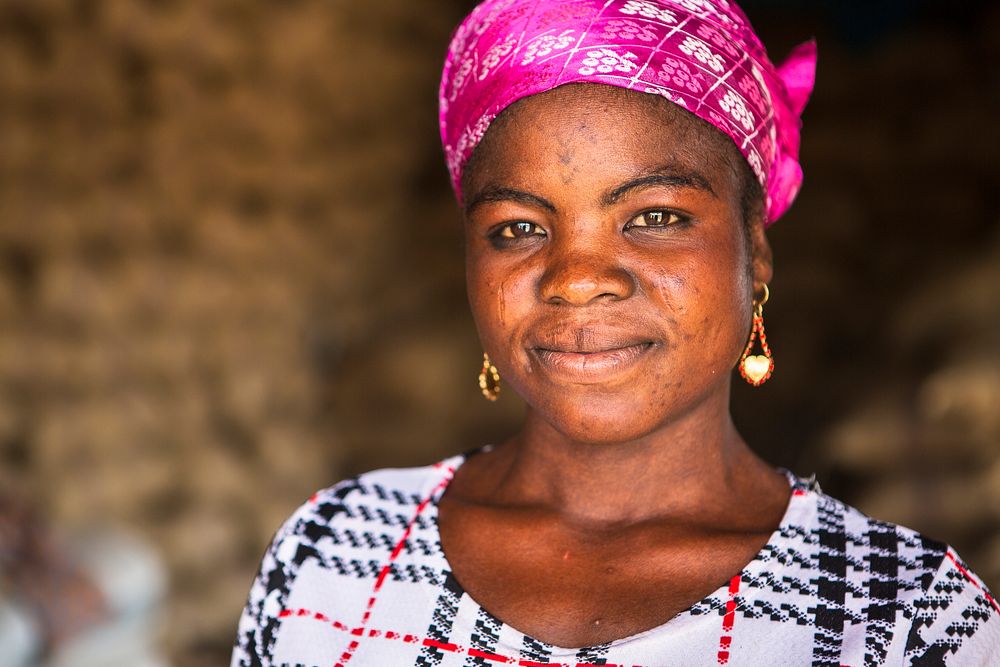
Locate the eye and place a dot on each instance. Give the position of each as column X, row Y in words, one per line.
column 656, row 218
column 518, row 230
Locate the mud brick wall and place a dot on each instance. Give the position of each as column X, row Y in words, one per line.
column 231, row 273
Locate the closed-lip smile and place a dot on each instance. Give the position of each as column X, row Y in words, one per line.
column 590, row 364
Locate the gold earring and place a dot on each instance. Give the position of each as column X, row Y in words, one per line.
column 489, row 379
column 757, row 368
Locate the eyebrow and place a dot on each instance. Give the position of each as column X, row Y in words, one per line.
column 496, row 193
column 669, row 176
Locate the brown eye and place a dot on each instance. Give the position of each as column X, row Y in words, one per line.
column 519, row 230
column 655, row 219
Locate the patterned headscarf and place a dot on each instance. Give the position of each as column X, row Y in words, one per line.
column 702, row 55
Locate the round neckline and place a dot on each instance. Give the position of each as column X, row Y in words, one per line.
column 449, row 467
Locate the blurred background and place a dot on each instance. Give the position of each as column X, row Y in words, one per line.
column 231, row 273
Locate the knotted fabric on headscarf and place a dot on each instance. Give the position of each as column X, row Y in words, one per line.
column 702, row 55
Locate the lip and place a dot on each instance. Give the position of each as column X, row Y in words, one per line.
column 593, row 366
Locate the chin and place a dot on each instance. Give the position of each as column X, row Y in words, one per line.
column 600, row 421
column 607, row 433
column 625, row 412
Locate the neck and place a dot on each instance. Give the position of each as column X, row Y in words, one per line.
column 679, row 471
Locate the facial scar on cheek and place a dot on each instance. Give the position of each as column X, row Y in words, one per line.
column 502, row 305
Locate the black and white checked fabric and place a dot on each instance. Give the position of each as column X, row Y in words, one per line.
column 357, row 577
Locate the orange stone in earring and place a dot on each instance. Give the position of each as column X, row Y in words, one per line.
column 756, row 369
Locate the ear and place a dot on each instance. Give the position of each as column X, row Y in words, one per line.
column 761, row 258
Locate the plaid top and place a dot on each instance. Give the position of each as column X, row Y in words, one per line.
column 357, row 577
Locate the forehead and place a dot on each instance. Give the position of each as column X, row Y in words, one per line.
column 596, row 133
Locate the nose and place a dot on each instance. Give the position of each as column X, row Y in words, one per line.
column 577, row 277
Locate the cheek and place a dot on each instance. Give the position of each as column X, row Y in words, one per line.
column 705, row 296
column 480, row 286
column 490, row 297
column 501, row 294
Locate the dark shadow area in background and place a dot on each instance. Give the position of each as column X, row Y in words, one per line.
column 231, row 271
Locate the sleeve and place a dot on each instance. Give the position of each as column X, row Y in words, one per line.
column 956, row 621
column 259, row 622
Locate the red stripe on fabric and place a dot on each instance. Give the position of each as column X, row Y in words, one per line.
column 726, row 639
column 346, row 655
column 972, row 580
column 444, row 646
column 398, row 549
column 426, row 641
column 382, row 575
column 476, row 653
column 730, row 618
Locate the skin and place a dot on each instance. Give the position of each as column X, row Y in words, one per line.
column 611, row 270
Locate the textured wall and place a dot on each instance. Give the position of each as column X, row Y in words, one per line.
column 231, row 273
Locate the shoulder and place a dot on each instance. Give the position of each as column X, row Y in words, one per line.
column 337, row 532
column 916, row 599
column 384, row 498
column 956, row 620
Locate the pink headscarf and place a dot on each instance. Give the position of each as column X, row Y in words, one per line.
column 700, row 54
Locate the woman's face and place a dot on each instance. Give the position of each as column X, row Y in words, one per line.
column 608, row 268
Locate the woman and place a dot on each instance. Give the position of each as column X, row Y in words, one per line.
column 617, row 163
